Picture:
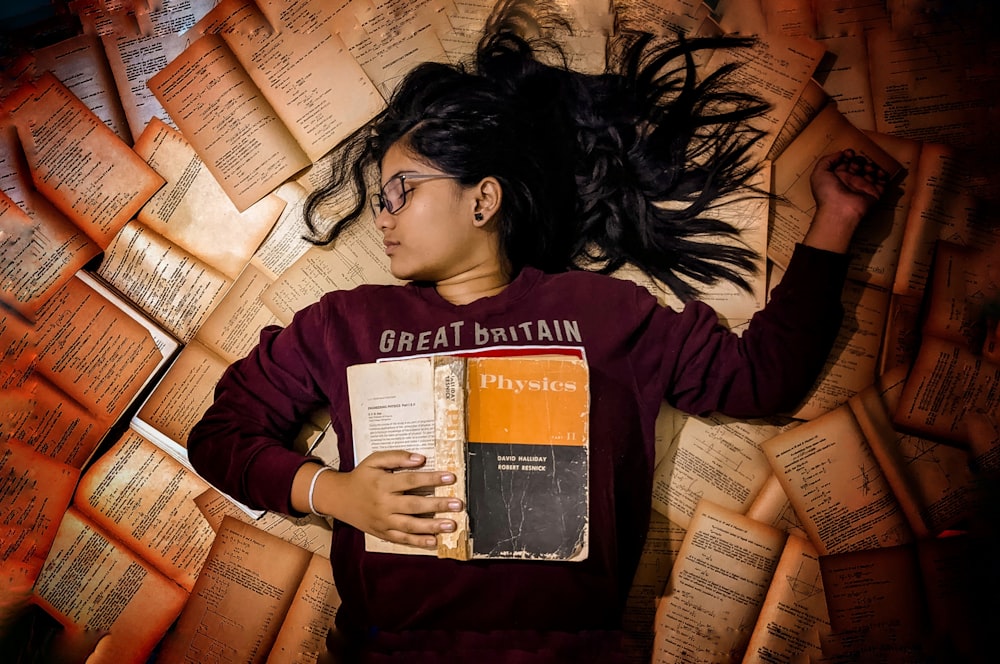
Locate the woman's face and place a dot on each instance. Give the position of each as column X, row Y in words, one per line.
column 431, row 235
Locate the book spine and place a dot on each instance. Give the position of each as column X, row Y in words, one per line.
column 449, row 450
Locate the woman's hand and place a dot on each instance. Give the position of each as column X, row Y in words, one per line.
column 377, row 499
column 845, row 186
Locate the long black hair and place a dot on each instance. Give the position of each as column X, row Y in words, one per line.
column 597, row 170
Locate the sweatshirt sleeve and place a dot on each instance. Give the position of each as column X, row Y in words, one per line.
column 242, row 444
column 771, row 366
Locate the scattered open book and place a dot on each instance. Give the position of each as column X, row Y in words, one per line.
column 513, row 429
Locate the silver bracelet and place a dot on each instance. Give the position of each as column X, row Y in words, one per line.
column 312, row 488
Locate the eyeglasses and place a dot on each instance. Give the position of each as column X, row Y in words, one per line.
column 392, row 196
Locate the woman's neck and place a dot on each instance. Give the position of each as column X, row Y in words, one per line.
column 469, row 287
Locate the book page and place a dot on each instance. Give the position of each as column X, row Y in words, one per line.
column 777, row 69
column 36, row 490
column 37, row 258
column 874, row 420
column 392, row 408
column 146, row 499
column 231, row 126
column 240, row 599
column 771, row 506
column 851, row 364
column 311, row 532
column 794, row 207
column 714, row 457
column 947, row 384
column 665, row 17
column 80, row 64
column 92, row 349
column 942, row 207
column 391, row 38
column 941, row 477
column 849, row 17
column 901, row 338
column 169, row 284
column 931, row 87
column 877, row 243
column 76, row 162
column 807, row 106
column 844, row 76
column 286, row 243
column 663, row 542
column 725, row 559
column 357, row 257
column 92, row 582
column 314, row 608
column 35, row 412
column 964, row 283
column 875, row 598
column 834, row 482
column 137, row 52
column 233, row 328
column 794, row 611
column 193, row 211
column 303, row 69
column 184, row 392
column 789, row 17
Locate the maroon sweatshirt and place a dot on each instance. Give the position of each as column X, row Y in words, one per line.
column 639, row 354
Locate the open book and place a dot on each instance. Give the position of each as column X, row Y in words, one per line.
column 514, row 430
column 128, row 551
column 70, row 375
column 69, row 185
column 262, row 93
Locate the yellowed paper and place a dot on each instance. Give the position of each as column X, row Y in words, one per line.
column 233, row 328
column 302, row 637
column 844, row 74
column 184, row 393
column 836, row 486
column 794, row 612
column 193, row 211
column 146, row 499
column 716, row 458
column 660, row 16
column 135, row 55
column 36, row 413
column 947, row 384
column 80, row 64
column 76, row 162
column 663, row 542
column 793, row 210
column 286, row 242
column 240, row 599
column 168, row 283
column 302, row 69
column 36, row 489
column 309, row 531
column 851, row 364
column 92, row 582
column 234, row 130
column 357, row 257
column 777, row 69
column 725, row 559
column 771, row 506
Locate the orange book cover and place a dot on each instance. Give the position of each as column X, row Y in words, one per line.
column 527, row 457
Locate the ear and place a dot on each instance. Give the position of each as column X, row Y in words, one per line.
column 488, row 196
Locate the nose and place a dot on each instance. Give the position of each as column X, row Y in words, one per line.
column 383, row 220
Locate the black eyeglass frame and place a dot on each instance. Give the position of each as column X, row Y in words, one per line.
column 379, row 201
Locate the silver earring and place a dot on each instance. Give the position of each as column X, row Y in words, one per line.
column 478, row 216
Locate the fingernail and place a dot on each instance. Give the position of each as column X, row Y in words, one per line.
column 454, row 505
column 416, row 457
column 447, row 478
column 430, row 541
column 448, row 526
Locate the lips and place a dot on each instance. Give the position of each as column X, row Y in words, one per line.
column 390, row 247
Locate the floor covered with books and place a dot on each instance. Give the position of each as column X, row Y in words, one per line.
column 863, row 525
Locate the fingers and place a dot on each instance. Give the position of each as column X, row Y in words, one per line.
column 394, row 460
